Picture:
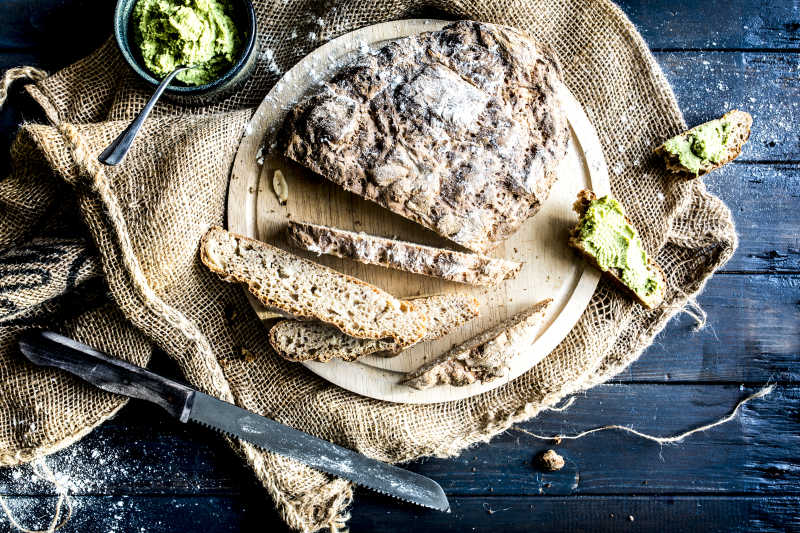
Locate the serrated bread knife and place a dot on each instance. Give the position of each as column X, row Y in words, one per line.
column 46, row 348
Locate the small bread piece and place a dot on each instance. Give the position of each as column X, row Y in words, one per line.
column 305, row 289
column 482, row 358
column 314, row 341
column 737, row 135
column 473, row 269
column 585, row 197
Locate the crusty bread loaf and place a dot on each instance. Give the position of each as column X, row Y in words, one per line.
column 460, row 130
column 741, row 122
column 314, row 341
column 305, row 289
column 482, row 358
column 473, row 269
column 585, row 197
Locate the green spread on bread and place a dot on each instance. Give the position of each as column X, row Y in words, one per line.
column 701, row 145
column 604, row 232
column 199, row 33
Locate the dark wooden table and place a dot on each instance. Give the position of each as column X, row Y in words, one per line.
column 144, row 472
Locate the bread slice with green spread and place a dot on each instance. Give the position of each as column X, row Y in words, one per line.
column 472, row 269
column 608, row 240
column 485, row 357
column 708, row 146
column 302, row 288
column 314, row 341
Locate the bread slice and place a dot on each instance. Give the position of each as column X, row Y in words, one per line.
column 460, row 267
column 314, row 341
column 740, row 121
column 585, row 197
column 482, row 358
column 305, row 289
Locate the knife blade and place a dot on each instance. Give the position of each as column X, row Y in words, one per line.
column 46, row 348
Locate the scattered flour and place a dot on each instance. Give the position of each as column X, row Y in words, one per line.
column 95, row 465
column 267, row 57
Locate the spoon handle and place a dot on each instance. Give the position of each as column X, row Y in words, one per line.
column 116, row 151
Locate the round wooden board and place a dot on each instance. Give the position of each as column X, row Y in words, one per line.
column 551, row 269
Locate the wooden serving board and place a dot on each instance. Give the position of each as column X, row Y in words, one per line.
column 551, row 269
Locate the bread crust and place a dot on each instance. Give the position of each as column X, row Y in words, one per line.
column 396, row 309
column 484, row 357
column 472, row 269
column 742, row 122
column 329, row 343
column 585, row 197
column 459, row 130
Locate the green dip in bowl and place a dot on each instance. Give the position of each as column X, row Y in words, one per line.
column 216, row 37
column 169, row 33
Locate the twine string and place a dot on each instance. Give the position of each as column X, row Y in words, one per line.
column 661, row 440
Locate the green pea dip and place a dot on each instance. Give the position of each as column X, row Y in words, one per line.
column 605, row 234
column 707, row 143
column 170, row 33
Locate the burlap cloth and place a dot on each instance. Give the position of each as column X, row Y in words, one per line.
column 70, row 230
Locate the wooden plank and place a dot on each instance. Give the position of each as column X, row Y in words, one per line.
column 754, row 454
column 763, row 200
column 151, row 514
column 230, row 513
column 144, row 453
column 752, row 335
column 729, row 24
column 50, row 24
column 596, row 514
column 765, row 84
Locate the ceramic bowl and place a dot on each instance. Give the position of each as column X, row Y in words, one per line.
column 245, row 19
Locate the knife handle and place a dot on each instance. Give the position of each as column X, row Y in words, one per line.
column 46, row 348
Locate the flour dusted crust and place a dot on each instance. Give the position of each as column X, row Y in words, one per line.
column 459, row 130
column 302, row 288
column 482, row 358
column 314, row 341
column 473, row 269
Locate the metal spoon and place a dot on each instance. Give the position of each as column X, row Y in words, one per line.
column 116, row 151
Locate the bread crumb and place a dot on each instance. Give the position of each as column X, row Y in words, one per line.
column 551, row 461
column 630, row 518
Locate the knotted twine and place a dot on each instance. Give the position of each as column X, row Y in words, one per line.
column 142, row 221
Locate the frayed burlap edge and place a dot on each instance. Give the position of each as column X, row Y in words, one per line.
column 337, row 493
column 50, row 445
